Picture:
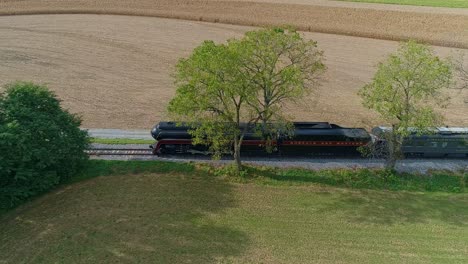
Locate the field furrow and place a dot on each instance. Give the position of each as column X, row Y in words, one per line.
column 116, row 70
column 438, row 28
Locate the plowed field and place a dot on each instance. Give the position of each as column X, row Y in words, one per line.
column 443, row 27
column 116, row 70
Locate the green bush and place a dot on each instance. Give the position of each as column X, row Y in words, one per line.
column 41, row 144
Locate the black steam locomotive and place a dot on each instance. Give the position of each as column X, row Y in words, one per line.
column 308, row 138
column 317, row 138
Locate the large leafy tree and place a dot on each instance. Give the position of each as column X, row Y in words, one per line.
column 247, row 81
column 212, row 94
column 41, row 144
column 406, row 89
column 282, row 67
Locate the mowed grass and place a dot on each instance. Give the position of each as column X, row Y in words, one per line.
column 436, row 3
column 158, row 214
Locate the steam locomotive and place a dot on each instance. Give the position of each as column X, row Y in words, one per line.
column 316, row 138
column 307, row 139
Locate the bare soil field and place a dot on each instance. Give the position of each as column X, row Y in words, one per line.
column 444, row 28
column 368, row 5
column 116, row 70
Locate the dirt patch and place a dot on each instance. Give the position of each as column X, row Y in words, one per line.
column 444, row 28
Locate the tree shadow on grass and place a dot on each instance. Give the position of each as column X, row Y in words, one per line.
column 146, row 218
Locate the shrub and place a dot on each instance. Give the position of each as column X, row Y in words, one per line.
column 41, row 144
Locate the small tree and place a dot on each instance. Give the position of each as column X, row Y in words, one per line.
column 245, row 80
column 405, row 91
column 40, row 143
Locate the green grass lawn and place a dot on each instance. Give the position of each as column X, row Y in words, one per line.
column 158, row 213
column 436, row 3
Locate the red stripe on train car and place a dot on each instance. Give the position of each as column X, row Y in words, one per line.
column 256, row 142
column 262, row 142
column 324, row 143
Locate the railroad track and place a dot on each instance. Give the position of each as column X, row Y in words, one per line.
column 148, row 152
column 120, row 152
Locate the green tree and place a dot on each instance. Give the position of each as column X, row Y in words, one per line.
column 246, row 80
column 212, row 93
column 406, row 89
column 282, row 67
column 40, row 143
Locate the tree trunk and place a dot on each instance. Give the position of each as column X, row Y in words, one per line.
column 237, row 156
column 394, row 150
column 390, row 163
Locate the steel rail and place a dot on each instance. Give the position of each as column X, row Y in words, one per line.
column 249, row 157
column 117, row 151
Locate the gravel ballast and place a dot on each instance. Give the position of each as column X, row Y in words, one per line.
column 408, row 165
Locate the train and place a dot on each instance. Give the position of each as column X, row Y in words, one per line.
column 442, row 142
column 316, row 139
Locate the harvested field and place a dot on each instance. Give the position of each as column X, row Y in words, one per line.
column 122, row 78
column 438, row 28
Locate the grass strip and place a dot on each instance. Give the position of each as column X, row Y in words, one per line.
column 438, row 181
column 433, row 3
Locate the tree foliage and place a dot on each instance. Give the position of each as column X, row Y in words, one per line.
column 247, row 81
column 406, row 89
column 281, row 67
column 40, row 143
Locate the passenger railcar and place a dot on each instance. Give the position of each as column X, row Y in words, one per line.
column 442, row 142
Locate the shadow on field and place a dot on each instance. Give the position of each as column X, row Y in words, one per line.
column 401, row 207
column 145, row 218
